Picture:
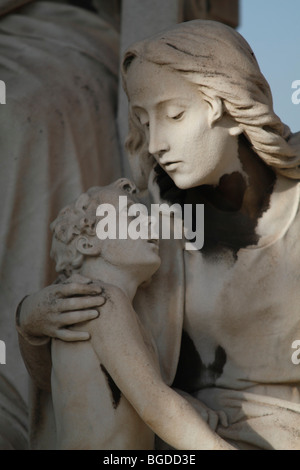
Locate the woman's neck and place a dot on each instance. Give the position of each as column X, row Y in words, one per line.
column 232, row 208
column 247, row 192
column 260, row 181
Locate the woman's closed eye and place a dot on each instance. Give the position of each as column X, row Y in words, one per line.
column 177, row 116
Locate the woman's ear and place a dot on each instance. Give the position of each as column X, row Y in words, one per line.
column 215, row 114
column 88, row 246
column 215, row 110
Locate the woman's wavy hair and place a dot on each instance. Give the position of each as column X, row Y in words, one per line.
column 222, row 64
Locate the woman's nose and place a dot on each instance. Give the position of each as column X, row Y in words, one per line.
column 157, row 142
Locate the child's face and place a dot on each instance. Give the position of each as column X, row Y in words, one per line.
column 134, row 254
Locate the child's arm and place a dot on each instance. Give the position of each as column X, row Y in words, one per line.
column 48, row 314
column 119, row 344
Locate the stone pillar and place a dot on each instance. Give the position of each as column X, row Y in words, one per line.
column 140, row 19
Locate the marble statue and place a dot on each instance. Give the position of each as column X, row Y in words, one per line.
column 58, row 134
column 202, row 130
column 124, row 401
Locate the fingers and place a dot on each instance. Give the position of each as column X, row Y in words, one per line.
column 69, row 335
column 76, row 288
column 79, row 316
column 213, row 420
column 72, row 318
column 223, row 419
column 79, row 303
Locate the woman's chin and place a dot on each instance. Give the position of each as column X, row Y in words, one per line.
column 186, row 183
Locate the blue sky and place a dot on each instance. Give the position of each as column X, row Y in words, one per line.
column 272, row 28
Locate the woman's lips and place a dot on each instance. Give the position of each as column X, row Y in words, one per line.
column 170, row 165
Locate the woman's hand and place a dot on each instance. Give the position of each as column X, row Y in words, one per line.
column 211, row 417
column 50, row 312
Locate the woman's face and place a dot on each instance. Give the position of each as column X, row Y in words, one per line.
column 179, row 125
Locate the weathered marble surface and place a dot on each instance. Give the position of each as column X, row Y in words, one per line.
column 205, row 122
column 203, row 130
column 223, row 319
column 124, row 402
